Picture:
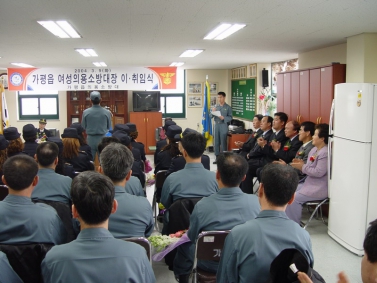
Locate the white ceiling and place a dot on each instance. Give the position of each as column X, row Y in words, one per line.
column 155, row 32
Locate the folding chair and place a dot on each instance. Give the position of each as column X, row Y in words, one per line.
column 208, row 247
column 160, row 179
column 318, row 208
column 144, row 243
column 3, row 192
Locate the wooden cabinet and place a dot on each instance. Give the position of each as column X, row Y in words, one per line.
column 236, row 137
column 146, row 124
column 307, row 94
column 115, row 100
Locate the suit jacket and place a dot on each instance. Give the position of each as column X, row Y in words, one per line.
column 315, row 184
column 159, row 145
column 179, row 162
column 303, row 153
column 290, row 153
column 140, row 147
column 268, row 152
column 257, row 152
column 250, row 143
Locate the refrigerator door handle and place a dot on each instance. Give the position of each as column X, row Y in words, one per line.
column 331, row 121
column 329, row 158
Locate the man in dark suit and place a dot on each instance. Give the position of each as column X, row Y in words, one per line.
column 245, row 147
column 265, row 150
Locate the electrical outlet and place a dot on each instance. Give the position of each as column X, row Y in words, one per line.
column 197, row 125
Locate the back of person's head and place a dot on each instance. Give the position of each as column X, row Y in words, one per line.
column 280, row 183
column 71, row 147
column 92, row 195
column 95, row 97
column 282, row 117
column 323, row 132
column 259, row 117
column 47, row 153
column 19, row 171
column 221, row 93
column 232, row 168
column 194, row 144
column 116, row 161
column 308, row 126
column 370, row 242
column 105, row 142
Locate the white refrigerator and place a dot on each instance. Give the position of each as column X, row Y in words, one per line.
column 353, row 163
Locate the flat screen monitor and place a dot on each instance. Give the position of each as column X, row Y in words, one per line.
column 146, row 101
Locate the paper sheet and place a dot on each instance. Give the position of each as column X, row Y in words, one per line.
column 216, row 113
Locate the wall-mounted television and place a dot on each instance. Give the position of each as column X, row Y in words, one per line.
column 146, row 101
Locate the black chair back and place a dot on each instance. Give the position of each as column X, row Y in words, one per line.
column 144, row 243
column 3, row 192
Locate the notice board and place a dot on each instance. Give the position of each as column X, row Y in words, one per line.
column 243, row 100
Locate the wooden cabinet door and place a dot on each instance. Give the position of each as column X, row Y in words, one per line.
column 153, row 121
column 119, row 106
column 295, row 96
column 138, row 118
column 280, row 92
column 287, row 94
column 327, row 93
column 315, row 95
column 304, row 96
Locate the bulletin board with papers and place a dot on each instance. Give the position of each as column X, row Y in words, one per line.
column 243, row 98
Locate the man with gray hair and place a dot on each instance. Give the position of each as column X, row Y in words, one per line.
column 96, row 121
column 134, row 215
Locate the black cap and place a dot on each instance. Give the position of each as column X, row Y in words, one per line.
column 29, row 131
column 42, row 121
column 173, row 130
column 58, row 141
column 11, row 133
column 78, row 127
column 185, row 132
column 132, row 127
column 121, row 127
column 122, row 137
column 280, row 270
column 70, row 133
column 168, row 124
column 3, row 143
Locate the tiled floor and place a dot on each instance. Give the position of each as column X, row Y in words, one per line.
column 329, row 257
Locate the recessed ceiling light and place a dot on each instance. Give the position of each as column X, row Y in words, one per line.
column 176, row 64
column 23, row 65
column 223, row 31
column 191, row 52
column 61, row 29
column 100, row 64
column 87, row 52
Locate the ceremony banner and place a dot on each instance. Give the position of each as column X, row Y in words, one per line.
column 134, row 78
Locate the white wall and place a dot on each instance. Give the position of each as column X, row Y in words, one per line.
column 323, row 56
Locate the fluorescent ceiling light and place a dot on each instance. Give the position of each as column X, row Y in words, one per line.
column 176, row 64
column 191, row 52
column 100, row 64
column 217, row 31
column 88, row 52
column 61, row 29
column 223, row 31
column 23, row 65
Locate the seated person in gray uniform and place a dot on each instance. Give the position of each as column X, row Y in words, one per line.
column 7, row 274
column 134, row 215
column 133, row 185
column 51, row 186
column 194, row 180
column 22, row 221
column 95, row 256
column 221, row 211
column 251, row 247
column 29, row 133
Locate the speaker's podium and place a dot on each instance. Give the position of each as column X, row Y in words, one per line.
column 232, row 138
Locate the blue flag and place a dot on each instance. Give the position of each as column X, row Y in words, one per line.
column 206, row 120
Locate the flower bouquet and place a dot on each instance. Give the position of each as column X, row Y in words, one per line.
column 267, row 102
column 163, row 244
column 42, row 139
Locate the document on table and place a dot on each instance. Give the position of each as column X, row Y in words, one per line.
column 216, row 113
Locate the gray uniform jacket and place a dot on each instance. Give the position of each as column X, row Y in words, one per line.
column 191, row 182
column 221, row 211
column 52, row 186
column 133, row 217
column 95, row 256
column 96, row 120
column 251, row 247
column 226, row 112
column 7, row 274
column 133, row 187
column 24, row 222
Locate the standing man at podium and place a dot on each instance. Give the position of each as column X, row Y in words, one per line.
column 96, row 121
column 222, row 114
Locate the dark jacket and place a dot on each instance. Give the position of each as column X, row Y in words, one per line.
column 140, row 147
column 41, row 134
column 250, row 143
column 159, row 145
column 30, row 148
column 163, row 161
column 81, row 163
